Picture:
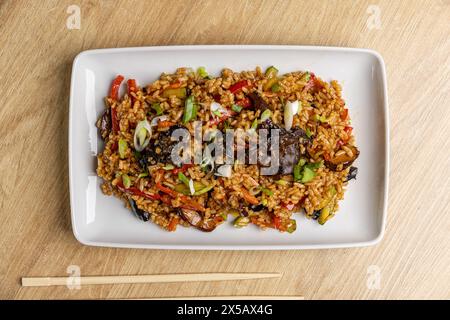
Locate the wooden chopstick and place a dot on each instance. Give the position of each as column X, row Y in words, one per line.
column 157, row 278
column 227, row 298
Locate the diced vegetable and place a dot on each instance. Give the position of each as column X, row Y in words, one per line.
column 238, row 86
column 271, row 75
column 265, row 115
column 249, row 197
column 137, row 192
column 276, row 87
column 126, row 181
column 114, row 120
column 254, row 124
column 191, row 185
column 177, row 92
column 143, row 175
column 173, row 224
column 292, row 226
column 183, row 178
column 236, row 108
column 352, row 173
column 195, row 219
column 142, row 135
column 245, row 103
column 305, row 77
column 156, row 120
column 321, row 118
column 201, row 71
column 241, row 222
column 123, row 147
column 190, row 110
column 324, row 215
column 114, row 92
column 218, row 110
column 158, row 109
column 308, row 133
column 282, row 182
column 169, row 167
column 132, row 88
column 183, row 168
column 290, row 109
column 166, row 124
column 267, row 191
column 308, row 175
column 203, row 190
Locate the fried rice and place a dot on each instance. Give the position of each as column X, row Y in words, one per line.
column 312, row 182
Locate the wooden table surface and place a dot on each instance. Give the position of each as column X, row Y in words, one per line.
column 38, row 48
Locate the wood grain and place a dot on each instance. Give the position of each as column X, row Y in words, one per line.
column 35, row 63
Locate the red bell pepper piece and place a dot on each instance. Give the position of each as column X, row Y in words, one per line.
column 132, row 87
column 344, row 114
column 244, row 103
column 276, row 222
column 135, row 191
column 183, row 168
column 238, row 86
column 348, row 130
column 114, row 93
column 188, row 202
column 114, row 120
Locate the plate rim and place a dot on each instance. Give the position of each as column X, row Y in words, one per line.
column 385, row 108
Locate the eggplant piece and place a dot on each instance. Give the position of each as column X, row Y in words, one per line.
column 141, row 214
column 258, row 102
column 343, row 161
column 196, row 220
column 289, row 145
column 104, row 123
column 316, row 214
column 352, row 173
column 257, row 207
column 164, row 144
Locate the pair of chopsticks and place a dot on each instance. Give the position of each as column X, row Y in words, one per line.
column 162, row 278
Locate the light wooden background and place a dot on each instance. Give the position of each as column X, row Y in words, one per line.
column 35, row 64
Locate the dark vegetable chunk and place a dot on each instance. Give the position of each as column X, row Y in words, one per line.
column 352, row 173
column 195, row 219
column 343, row 161
column 104, row 123
column 141, row 214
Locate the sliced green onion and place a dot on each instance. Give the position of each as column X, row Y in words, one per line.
column 123, row 146
column 302, row 162
column 271, row 72
column 308, row 133
column 158, row 109
column 143, row 175
column 254, row 124
column 190, row 110
column 321, row 119
column 297, row 172
column 314, row 165
column 266, row 115
column 204, row 190
column 126, row 181
column 142, row 135
column 282, row 182
column 202, row 72
column 292, row 226
column 275, row 88
column 217, row 113
column 305, row 77
column 241, row 222
column 264, row 202
column 183, row 178
column 267, row 191
column 169, row 167
column 236, row 108
column 308, row 175
column 177, row 92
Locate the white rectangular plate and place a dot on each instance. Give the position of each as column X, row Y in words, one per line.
column 104, row 221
